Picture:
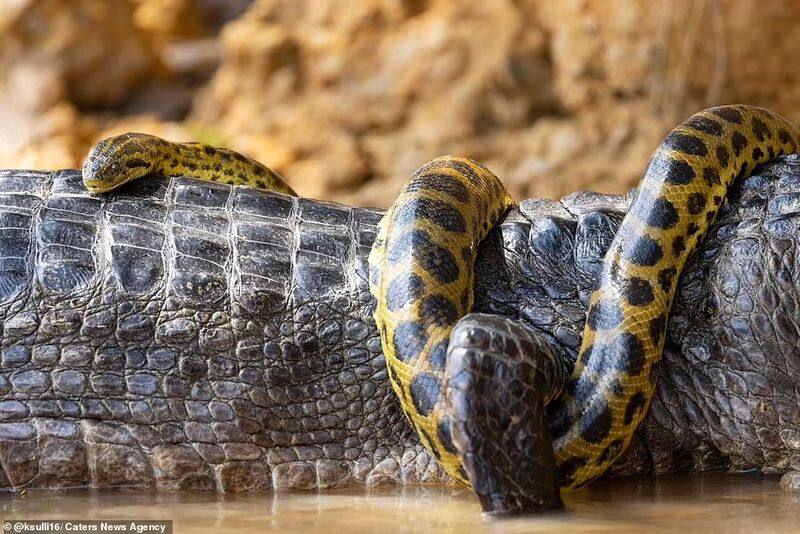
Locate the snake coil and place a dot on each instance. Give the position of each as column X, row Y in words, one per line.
column 421, row 269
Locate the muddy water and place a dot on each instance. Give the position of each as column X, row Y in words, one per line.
column 710, row 504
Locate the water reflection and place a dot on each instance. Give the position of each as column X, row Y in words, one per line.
column 714, row 503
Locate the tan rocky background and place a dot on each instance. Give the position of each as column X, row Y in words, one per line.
column 347, row 98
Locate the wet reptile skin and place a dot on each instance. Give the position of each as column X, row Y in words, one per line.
column 190, row 335
column 421, row 274
column 120, row 159
column 422, row 280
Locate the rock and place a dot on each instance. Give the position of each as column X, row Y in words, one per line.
column 553, row 95
column 182, row 19
column 55, row 58
column 791, row 481
column 71, row 40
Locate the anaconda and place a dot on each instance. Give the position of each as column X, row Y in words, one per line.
column 483, row 347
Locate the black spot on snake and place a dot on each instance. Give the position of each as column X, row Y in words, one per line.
column 437, row 310
column 467, row 170
column 559, row 421
column 729, row 114
column 711, row 176
column 400, row 248
column 635, row 405
column 616, row 388
column 404, row 290
column 443, row 214
column 604, row 315
column 723, row 155
column 760, row 130
column 630, row 353
column 602, row 362
column 568, row 469
column 738, row 142
column 435, row 259
column 758, row 154
column 638, row 291
column 688, row 144
column 209, row 150
column 445, row 436
column 783, row 136
column 466, row 255
column 645, row 251
column 439, row 182
column 437, row 358
column 426, row 438
column 662, row 214
column 675, row 171
column 409, row 339
column 657, row 326
column 696, row 203
column 665, row 277
column 596, row 423
column 424, row 390
column 134, row 163
column 678, row 245
column 692, row 229
column 439, row 263
column 705, row 125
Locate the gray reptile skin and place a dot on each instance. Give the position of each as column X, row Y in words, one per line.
column 185, row 335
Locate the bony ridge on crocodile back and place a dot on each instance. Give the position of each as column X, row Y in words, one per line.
column 484, row 394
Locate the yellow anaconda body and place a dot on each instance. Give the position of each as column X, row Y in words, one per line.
column 421, row 275
column 117, row 160
column 683, row 188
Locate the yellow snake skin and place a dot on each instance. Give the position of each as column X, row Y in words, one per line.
column 421, row 274
column 421, row 268
column 613, row 380
column 117, row 160
column 683, row 188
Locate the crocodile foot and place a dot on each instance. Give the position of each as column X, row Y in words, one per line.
column 500, row 379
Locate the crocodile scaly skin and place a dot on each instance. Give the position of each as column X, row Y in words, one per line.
column 188, row 335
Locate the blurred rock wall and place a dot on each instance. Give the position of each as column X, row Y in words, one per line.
column 347, row 98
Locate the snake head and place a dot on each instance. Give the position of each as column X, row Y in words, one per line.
column 118, row 160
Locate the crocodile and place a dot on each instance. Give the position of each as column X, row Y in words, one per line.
column 186, row 335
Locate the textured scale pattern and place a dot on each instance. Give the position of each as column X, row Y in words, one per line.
column 418, row 276
column 683, row 188
column 422, row 273
column 116, row 372
column 117, row 160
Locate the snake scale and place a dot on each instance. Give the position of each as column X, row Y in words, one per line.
column 421, row 270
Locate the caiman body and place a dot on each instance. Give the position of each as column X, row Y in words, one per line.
column 186, row 335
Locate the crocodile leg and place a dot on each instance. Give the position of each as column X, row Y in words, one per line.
column 500, row 378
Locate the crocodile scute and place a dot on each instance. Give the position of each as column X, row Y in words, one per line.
column 188, row 335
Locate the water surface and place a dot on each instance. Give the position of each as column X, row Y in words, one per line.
column 698, row 503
